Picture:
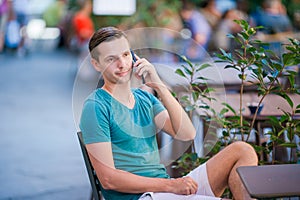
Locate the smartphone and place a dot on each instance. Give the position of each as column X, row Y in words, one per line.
column 133, row 61
column 133, row 56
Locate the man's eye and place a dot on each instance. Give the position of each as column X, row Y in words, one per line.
column 110, row 60
column 126, row 55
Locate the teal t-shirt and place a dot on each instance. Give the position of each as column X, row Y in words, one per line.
column 132, row 133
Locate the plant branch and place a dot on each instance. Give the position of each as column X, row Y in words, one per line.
column 268, row 90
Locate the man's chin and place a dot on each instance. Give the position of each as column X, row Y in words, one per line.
column 122, row 80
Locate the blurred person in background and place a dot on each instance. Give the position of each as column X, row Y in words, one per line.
column 199, row 30
column 224, row 27
column 83, row 30
column 21, row 10
column 210, row 12
column 83, row 24
column 4, row 11
column 272, row 15
column 13, row 30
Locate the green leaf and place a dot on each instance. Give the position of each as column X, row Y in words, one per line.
column 223, row 111
column 180, row 72
column 195, row 96
column 208, row 90
column 292, row 80
column 273, row 119
column 290, row 72
column 244, row 24
column 203, row 66
column 288, row 99
column 237, row 40
column 277, row 66
column 189, row 72
column 187, row 61
column 232, row 66
column 227, row 56
column 225, row 133
column 284, row 118
column 271, row 78
column 242, row 62
column 244, row 35
column 288, row 59
column 202, row 78
column 251, row 49
column 281, row 132
column 229, row 107
column 204, row 107
column 251, row 31
column 289, row 145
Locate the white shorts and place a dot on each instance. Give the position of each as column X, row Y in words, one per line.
column 204, row 191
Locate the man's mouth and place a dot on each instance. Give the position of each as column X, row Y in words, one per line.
column 123, row 73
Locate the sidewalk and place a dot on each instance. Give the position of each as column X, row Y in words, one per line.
column 39, row 153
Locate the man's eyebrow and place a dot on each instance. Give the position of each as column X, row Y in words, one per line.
column 110, row 56
column 115, row 56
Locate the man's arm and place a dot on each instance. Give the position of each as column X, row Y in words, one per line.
column 175, row 120
column 113, row 179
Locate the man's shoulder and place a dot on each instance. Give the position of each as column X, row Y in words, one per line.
column 140, row 93
column 98, row 96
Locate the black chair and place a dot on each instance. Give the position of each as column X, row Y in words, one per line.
column 95, row 183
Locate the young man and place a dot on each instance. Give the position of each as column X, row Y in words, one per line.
column 119, row 125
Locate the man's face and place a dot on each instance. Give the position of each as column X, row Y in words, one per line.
column 115, row 61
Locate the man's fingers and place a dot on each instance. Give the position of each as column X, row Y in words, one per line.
column 192, row 185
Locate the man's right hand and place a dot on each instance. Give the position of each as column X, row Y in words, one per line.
column 185, row 186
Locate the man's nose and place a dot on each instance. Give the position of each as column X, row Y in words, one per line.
column 121, row 62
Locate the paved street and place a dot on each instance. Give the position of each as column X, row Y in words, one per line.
column 40, row 157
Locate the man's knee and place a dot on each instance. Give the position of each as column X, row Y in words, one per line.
column 245, row 150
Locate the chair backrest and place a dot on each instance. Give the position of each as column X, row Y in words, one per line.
column 95, row 183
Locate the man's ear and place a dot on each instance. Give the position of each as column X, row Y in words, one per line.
column 96, row 64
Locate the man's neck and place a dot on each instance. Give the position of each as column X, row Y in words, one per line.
column 121, row 92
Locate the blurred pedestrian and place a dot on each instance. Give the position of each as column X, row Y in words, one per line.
column 199, row 29
column 84, row 29
column 273, row 17
column 224, row 27
column 4, row 10
column 210, row 12
column 21, row 10
column 83, row 24
column 12, row 32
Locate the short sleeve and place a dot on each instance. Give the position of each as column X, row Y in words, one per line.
column 94, row 122
column 156, row 103
column 157, row 106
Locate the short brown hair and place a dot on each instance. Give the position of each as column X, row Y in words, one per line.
column 105, row 34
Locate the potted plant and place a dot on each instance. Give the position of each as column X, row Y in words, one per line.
column 266, row 70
